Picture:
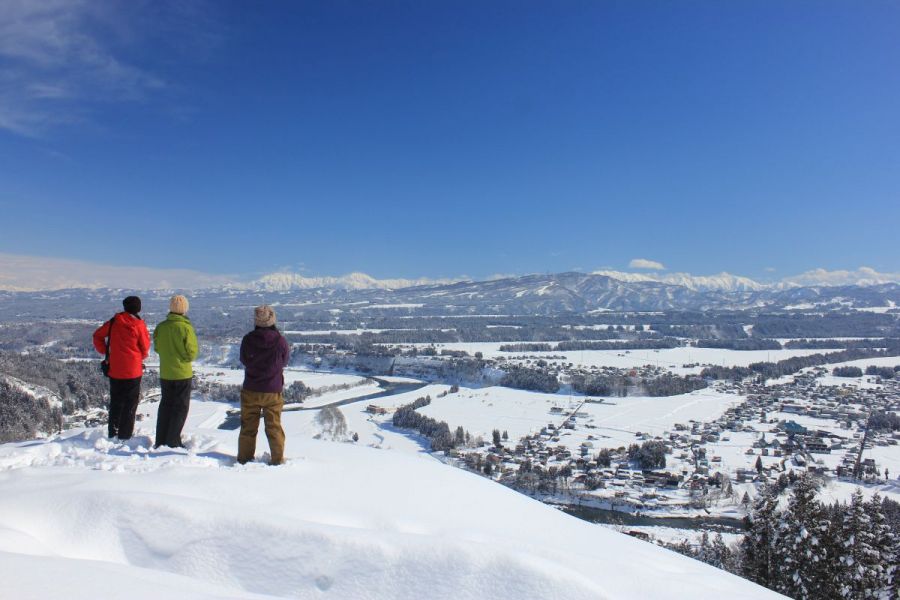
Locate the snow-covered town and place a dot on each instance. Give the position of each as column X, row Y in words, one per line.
column 586, row 454
column 715, row 445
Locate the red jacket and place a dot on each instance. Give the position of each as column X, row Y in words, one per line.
column 129, row 347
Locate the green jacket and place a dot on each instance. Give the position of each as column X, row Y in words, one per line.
column 176, row 343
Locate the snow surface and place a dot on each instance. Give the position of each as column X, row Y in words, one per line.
column 338, row 520
column 615, row 421
column 312, row 379
column 672, row 359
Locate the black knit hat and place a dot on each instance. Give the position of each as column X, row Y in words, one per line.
column 132, row 304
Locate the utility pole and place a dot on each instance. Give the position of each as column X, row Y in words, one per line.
column 862, row 444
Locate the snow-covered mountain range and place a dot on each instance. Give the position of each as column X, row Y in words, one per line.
column 280, row 282
column 720, row 282
column 550, row 294
column 584, row 293
column 29, row 273
column 723, row 282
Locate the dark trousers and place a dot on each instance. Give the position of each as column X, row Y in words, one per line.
column 124, row 396
column 173, row 411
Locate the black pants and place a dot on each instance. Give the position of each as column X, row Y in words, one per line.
column 173, row 411
column 124, row 396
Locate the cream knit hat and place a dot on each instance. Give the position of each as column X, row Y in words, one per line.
column 264, row 316
column 178, row 305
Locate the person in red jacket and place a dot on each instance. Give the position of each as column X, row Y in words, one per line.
column 128, row 341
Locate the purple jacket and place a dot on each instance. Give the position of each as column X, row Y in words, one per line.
column 264, row 354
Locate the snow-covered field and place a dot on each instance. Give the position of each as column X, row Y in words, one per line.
column 82, row 517
column 672, row 359
column 862, row 363
column 613, row 423
column 674, row 535
column 312, row 379
column 361, row 331
column 373, row 430
column 317, row 381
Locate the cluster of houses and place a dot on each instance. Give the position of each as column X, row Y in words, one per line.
column 848, row 407
column 693, row 469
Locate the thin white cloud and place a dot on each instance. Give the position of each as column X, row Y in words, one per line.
column 643, row 263
column 62, row 58
column 861, row 276
column 19, row 273
column 30, row 273
column 494, row 277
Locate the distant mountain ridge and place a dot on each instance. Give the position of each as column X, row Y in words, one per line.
column 725, row 282
column 590, row 292
column 538, row 294
column 720, row 282
column 23, row 273
column 280, row 282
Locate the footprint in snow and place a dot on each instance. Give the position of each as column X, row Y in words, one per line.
column 324, row 582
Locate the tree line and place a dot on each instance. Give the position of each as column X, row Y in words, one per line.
column 830, row 344
column 849, row 324
column 792, row 365
column 524, row 378
column 24, row 417
column 741, row 344
column 644, row 343
column 437, row 432
column 621, row 385
column 72, row 386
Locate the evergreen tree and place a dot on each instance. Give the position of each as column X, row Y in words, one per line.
column 682, row 547
column 758, row 545
column 604, row 458
column 722, row 554
column 801, row 546
column 705, row 551
column 857, row 570
column 496, row 437
column 886, row 545
column 460, row 436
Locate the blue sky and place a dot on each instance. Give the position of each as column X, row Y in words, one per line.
column 438, row 139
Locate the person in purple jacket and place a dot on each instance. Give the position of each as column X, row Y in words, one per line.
column 264, row 354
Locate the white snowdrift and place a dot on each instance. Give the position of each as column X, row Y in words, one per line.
column 82, row 517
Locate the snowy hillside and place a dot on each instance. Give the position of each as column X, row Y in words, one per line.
column 338, row 520
column 723, row 282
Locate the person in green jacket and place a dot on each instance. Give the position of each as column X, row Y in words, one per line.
column 176, row 343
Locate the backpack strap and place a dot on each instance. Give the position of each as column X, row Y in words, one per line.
column 109, row 337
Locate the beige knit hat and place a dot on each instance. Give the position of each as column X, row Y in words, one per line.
column 178, row 305
column 264, row 316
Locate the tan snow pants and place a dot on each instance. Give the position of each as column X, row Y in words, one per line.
column 267, row 405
